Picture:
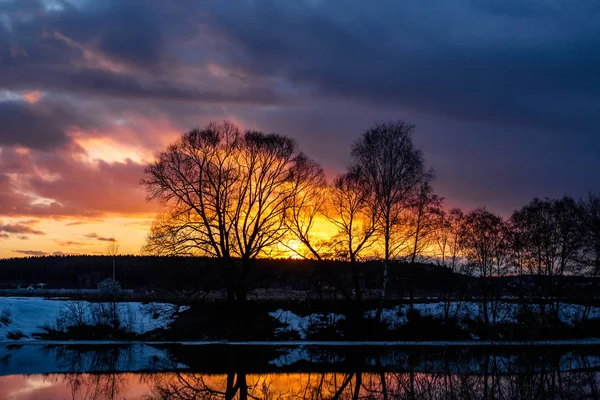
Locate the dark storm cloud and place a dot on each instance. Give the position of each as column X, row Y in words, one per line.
column 113, row 48
column 42, row 125
column 22, row 125
column 133, row 37
column 505, row 93
column 527, row 64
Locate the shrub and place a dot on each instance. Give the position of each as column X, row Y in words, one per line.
column 16, row 335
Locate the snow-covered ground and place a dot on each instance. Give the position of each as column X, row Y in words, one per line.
column 395, row 317
column 301, row 325
column 28, row 315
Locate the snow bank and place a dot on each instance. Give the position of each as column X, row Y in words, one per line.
column 506, row 312
column 301, row 325
column 29, row 314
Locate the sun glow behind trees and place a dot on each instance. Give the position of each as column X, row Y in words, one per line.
column 237, row 196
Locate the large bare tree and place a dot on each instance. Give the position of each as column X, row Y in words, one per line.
column 392, row 171
column 227, row 194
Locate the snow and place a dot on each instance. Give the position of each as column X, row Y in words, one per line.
column 292, row 356
column 506, row 312
column 29, row 314
column 302, row 325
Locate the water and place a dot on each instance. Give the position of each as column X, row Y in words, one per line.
column 76, row 371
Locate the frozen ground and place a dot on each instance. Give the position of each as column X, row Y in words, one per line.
column 395, row 317
column 300, row 325
column 29, row 314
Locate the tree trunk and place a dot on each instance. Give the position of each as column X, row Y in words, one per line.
column 383, row 291
column 242, row 385
column 356, row 281
column 242, row 284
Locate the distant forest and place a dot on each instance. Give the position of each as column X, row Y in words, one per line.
column 200, row 275
column 237, row 204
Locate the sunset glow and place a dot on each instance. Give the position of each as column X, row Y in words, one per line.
column 93, row 91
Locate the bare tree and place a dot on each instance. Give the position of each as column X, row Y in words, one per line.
column 227, row 194
column 308, row 204
column 590, row 218
column 550, row 241
column 590, row 232
column 426, row 213
column 357, row 223
column 312, row 202
column 447, row 238
column 392, row 170
column 112, row 249
column 483, row 241
column 447, row 251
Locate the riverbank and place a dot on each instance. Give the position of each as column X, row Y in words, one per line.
column 26, row 319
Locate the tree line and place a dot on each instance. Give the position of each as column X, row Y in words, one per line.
column 238, row 195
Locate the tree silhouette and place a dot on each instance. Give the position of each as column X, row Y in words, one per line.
column 590, row 218
column 227, row 194
column 484, row 243
column 357, row 223
column 550, row 240
column 392, row 170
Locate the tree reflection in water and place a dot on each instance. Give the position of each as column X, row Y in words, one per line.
column 547, row 385
column 97, row 386
column 411, row 385
column 488, row 375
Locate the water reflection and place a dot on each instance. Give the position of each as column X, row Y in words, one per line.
column 303, row 373
column 551, row 385
column 354, row 385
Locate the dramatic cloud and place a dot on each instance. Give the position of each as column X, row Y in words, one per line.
column 61, row 184
column 469, row 61
column 25, row 126
column 505, row 94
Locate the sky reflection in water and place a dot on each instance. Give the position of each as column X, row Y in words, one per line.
column 32, row 372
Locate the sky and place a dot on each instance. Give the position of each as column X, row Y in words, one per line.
column 505, row 96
